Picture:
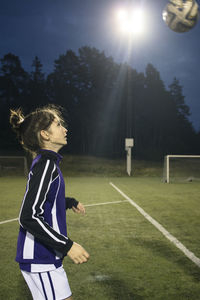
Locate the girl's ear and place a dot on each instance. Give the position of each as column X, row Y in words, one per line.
column 44, row 134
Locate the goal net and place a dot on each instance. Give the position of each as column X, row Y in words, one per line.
column 181, row 168
column 13, row 165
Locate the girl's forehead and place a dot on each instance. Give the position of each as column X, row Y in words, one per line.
column 56, row 118
column 55, row 121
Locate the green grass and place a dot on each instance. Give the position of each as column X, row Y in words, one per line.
column 129, row 258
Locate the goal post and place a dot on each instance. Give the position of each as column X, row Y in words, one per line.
column 13, row 164
column 182, row 166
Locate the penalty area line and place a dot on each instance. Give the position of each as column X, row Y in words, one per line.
column 167, row 234
column 87, row 205
column 104, row 203
column 7, row 221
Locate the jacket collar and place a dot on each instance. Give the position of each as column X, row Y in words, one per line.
column 50, row 154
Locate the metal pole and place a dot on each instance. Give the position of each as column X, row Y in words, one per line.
column 129, row 161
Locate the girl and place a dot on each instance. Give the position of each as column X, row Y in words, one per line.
column 43, row 242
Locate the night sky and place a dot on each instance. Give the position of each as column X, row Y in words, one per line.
column 48, row 28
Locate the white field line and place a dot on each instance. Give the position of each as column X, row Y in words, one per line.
column 7, row 221
column 87, row 205
column 168, row 235
column 104, row 203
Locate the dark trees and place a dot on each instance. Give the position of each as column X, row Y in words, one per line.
column 106, row 102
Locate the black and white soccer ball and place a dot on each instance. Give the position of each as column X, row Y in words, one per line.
column 181, row 15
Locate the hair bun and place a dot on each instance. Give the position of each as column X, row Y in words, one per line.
column 16, row 118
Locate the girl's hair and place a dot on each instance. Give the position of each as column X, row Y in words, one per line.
column 28, row 127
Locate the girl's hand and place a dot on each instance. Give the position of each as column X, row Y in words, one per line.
column 80, row 209
column 78, row 254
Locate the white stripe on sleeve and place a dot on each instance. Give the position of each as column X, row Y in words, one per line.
column 36, row 201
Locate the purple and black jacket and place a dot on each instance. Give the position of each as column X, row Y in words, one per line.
column 42, row 240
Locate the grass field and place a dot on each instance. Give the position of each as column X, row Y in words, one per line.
column 129, row 257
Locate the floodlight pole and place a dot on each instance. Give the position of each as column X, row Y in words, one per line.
column 129, row 109
column 128, row 145
column 128, row 163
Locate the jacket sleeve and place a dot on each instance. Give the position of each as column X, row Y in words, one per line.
column 31, row 214
column 70, row 202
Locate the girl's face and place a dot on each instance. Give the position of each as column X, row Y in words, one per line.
column 56, row 136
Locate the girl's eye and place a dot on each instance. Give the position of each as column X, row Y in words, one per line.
column 59, row 124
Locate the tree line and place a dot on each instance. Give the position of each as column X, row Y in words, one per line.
column 104, row 101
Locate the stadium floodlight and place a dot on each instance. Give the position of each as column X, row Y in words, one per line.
column 131, row 21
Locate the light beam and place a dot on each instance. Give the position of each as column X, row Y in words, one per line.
column 131, row 22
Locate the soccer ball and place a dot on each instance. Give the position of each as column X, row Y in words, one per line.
column 181, row 15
